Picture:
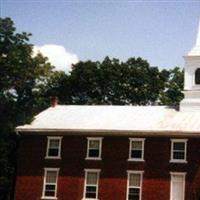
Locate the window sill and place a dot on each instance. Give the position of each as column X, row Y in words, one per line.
column 178, row 161
column 88, row 199
column 135, row 160
column 49, row 198
column 52, row 158
column 89, row 158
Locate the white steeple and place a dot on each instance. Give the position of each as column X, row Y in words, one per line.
column 196, row 49
column 191, row 101
column 198, row 36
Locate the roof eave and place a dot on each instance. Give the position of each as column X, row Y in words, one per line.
column 41, row 131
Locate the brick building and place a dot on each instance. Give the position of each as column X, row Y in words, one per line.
column 114, row 152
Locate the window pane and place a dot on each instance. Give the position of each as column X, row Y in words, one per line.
column 90, row 192
column 50, row 187
column 94, row 144
column 134, row 194
column 54, row 143
column 51, row 177
column 91, row 189
column 50, row 190
column 134, row 180
column 49, row 193
column 179, row 146
column 94, row 153
column 179, row 155
column 53, row 152
column 136, row 144
column 91, row 178
column 90, row 195
column 136, row 154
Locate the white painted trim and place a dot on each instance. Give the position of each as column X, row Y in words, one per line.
column 135, row 160
column 92, row 170
column 171, row 188
column 48, row 145
column 100, row 148
column 93, row 138
column 90, row 158
column 172, row 160
column 141, row 181
column 178, row 173
column 178, row 161
column 135, row 171
column 111, row 132
column 130, row 148
column 85, row 183
column 44, row 182
column 51, row 198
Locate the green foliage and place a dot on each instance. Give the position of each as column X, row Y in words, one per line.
column 57, row 85
column 21, row 76
column 172, row 94
column 112, row 82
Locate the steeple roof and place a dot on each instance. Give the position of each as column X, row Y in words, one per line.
column 196, row 49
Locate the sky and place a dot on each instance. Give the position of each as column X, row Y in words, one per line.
column 67, row 31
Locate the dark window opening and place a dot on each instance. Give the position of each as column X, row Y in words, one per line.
column 134, row 194
column 197, row 76
column 91, row 192
column 136, row 154
column 94, row 153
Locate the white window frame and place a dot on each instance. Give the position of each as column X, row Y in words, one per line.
column 129, row 172
column 100, row 148
column 171, row 184
column 85, row 183
column 49, row 138
column 44, row 183
column 130, row 148
column 172, row 160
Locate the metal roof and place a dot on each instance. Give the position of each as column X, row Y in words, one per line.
column 114, row 119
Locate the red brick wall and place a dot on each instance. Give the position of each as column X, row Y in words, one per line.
column 114, row 166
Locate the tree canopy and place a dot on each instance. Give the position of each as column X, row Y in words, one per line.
column 113, row 82
column 21, row 76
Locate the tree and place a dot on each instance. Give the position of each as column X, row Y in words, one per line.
column 21, row 76
column 144, row 82
column 172, row 93
column 111, row 82
column 57, row 85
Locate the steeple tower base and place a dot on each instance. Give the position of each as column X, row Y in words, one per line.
column 191, row 102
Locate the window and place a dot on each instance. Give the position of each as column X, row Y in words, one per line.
column 178, row 150
column 197, row 76
column 54, row 147
column 91, row 184
column 177, row 186
column 50, row 183
column 94, row 148
column 134, row 185
column 136, row 149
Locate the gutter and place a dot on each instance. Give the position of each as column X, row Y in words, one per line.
column 111, row 132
